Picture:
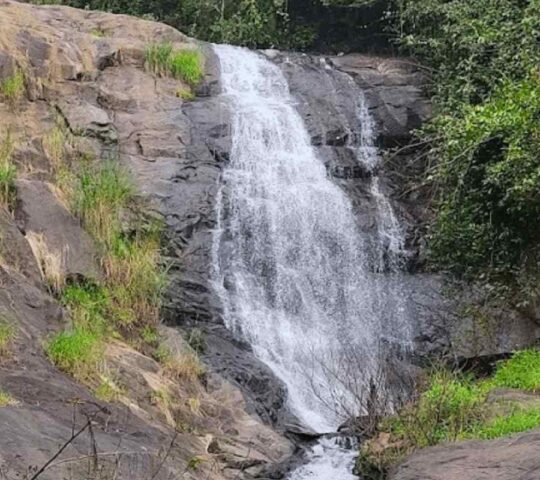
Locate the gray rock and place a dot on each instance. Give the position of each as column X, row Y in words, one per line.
column 505, row 459
column 40, row 211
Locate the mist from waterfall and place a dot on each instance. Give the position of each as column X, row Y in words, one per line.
column 295, row 275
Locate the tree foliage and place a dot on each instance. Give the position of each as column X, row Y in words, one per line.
column 485, row 139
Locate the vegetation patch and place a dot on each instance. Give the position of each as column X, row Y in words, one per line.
column 6, row 400
column 108, row 390
column 7, row 336
column 522, row 371
column 455, row 407
column 483, row 143
column 186, row 65
column 185, row 366
column 12, row 88
column 8, row 173
column 77, row 352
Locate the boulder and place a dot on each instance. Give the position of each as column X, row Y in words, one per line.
column 510, row 458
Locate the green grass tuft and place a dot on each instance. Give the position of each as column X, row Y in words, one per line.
column 186, row 65
column 6, row 400
column 8, row 173
column 88, row 306
column 7, row 335
column 99, row 196
column 77, row 353
column 12, row 88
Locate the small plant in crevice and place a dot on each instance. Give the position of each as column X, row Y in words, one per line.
column 108, row 390
column 181, row 366
column 12, row 88
column 7, row 336
column 184, row 94
column 196, row 340
column 8, row 172
column 6, row 400
column 194, row 463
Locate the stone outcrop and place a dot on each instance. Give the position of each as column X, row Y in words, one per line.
column 505, row 459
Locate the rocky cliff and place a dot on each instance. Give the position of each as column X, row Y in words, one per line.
column 87, row 71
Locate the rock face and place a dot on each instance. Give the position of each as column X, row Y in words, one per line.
column 86, row 69
column 505, row 459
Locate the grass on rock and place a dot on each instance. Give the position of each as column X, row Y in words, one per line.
column 8, row 172
column 125, row 303
column 12, row 87
column 77, row 352
column 7, row 335
column 186, row 65
column 6, row 400
column 455, row 407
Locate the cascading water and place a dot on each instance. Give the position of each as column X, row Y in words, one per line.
column 294, row 274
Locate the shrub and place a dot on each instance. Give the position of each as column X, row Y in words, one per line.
column 484, row 142
column 450, row 406
column 455, row 407
column 8, row 173
column 7, row 335
column 76, row 352
column 12, row 88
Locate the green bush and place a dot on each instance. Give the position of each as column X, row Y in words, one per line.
column 76, row 352
column 450, row 406
column 485, row 138
column 455, row 407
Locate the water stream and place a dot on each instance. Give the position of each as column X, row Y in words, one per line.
column 296, row 277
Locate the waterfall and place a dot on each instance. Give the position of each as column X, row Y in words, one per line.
column 293, row 271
